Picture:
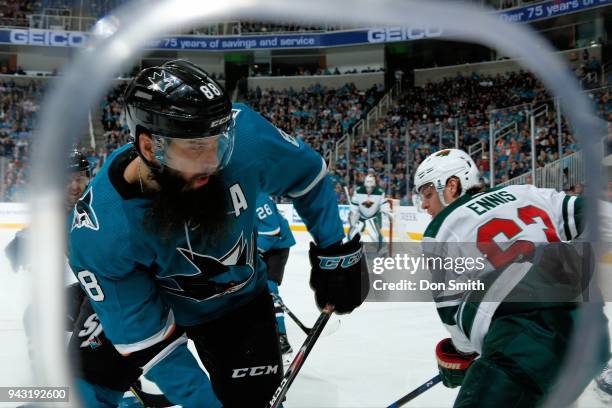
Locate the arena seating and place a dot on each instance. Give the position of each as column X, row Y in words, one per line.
column 321, row 116
column 422, row 112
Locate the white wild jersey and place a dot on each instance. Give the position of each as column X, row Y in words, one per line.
column 367, row 205
column 487, row 226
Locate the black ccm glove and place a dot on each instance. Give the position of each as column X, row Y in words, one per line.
column 339, row 275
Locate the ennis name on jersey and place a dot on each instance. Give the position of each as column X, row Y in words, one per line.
column 507, row 225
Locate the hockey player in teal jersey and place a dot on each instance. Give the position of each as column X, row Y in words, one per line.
column 163, row 241
column 509, row 339
column 274, row 238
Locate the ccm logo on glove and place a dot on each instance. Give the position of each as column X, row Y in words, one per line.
column 339, row 275
column 346, row 261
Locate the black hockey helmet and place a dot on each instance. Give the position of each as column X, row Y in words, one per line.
column 179, row 101
column 78, row 162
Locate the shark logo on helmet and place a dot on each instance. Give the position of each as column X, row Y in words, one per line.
column 161, row 81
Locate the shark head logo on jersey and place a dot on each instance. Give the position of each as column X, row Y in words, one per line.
column 84, row 215
column 199, row 284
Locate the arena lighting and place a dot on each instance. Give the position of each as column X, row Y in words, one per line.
column 65, row 109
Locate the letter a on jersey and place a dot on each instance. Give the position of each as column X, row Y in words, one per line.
column 238, row 199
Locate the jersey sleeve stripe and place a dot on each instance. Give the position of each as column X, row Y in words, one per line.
column 569, row 221
column 474, row 316
column 273, row 232
column 566, row 229
column 448, row 314
column 314, row 182
column 146, row 343
column 578, row 211
column 447, row 303
column 570, row 217
column 165, row 352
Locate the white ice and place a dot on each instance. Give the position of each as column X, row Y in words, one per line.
column 379, row 353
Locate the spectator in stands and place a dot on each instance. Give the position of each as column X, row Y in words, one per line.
column 470, row 101
column 419, row 123
column 317, row 114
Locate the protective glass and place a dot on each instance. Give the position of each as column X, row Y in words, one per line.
column 202, row 156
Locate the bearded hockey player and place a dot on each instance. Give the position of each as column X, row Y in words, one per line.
column 274, row 238
column 367, row 205
column 504, row 351
column 164, row 243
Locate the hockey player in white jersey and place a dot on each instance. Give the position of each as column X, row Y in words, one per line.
column 368, row 203
column 503, row 350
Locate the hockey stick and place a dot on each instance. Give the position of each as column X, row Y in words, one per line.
column 150, row 400
column 351, row 227
column 348, row 196
column 418, row 391
column 297, row 321
column 300, row 357
column 331, row 328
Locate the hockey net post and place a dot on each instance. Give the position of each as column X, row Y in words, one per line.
column 395, row 227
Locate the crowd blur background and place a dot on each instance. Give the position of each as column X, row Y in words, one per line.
column 382, row 115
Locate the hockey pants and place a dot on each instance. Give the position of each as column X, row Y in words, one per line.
column 522, row 356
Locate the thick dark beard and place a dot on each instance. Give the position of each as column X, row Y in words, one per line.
column 205, row 208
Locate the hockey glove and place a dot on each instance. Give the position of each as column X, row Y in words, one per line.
column 339, row 275
column 452, row 363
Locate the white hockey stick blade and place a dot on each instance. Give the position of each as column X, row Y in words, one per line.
column 331, row 327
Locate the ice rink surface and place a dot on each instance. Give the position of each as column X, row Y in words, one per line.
column 379, row 353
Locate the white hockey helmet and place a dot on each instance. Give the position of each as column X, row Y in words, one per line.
column 369, row 183
column 437, row 168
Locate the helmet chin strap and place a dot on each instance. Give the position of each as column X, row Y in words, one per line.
column 442, row 200
column 152, row 166
column 441, row 195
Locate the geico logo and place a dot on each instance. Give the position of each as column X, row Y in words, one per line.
column 49, row 38
column 378, row 35
column 254, row 371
